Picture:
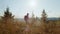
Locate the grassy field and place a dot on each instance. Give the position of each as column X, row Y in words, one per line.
column 18, row 27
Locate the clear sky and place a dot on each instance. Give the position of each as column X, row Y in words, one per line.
column 19, row 8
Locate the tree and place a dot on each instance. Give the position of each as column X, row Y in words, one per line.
column 44, row 23
column 44, row 16
column 6, row 24
column 7, row 16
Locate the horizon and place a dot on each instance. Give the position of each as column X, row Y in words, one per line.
column 19, row 8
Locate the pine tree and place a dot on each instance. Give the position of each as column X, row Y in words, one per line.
column 44, row 16
column 44, row 22
column 7, row 16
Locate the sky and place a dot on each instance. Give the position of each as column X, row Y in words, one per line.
column 19, row 8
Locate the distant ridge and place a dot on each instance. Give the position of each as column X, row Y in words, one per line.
column 53, row 18
column 21, row 19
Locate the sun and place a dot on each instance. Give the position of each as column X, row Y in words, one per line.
column 32, row 3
